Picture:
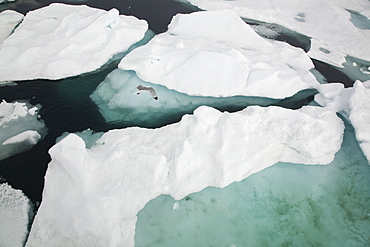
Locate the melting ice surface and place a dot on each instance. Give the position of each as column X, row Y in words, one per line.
column 359, row 20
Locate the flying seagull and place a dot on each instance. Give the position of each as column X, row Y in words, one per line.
column 149, row 89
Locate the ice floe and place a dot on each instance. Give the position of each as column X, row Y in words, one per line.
column 21, row 127
column 359, row 114
column 66, row 40
column 353, row 104
column 16, row 211
column 215, row 53
column 9, row 19
column 98, row 191
column 331, row 24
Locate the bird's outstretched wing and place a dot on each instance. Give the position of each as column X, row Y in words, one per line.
column 141, row 88
column 149, row 89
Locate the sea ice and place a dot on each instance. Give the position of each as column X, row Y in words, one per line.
column 20, row 126
column 216, row 54
column 329, row 23
column 30, row 136
column 334, row 96
column 66, row 40
column 359, row 114
column 353, row 104
column 9, row 19
column 98, row 191
column 15, row 213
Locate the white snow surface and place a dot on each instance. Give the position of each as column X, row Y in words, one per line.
column 327, row 21
column 334, row 96
column 20, row 127
column 215, row 53
column 15, row 215
column 66, row 40
column 359, row 108
column 98, row 192
column 9, row 19
column 352, row 103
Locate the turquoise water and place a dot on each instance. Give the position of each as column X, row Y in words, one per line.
column 284, row 205
column 119, row 104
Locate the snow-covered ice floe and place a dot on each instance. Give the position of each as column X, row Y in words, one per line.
column 354, row 104
column 20, row 127
column 9, row 19
column 98, row 191
column 16, row 211
column 216, row 54
column 66, row 40
column 338, row 28
column 359, row 108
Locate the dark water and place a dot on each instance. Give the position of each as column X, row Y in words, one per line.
column 332, row 74
column 66, row 106
column 158, row 13
column 284, row 34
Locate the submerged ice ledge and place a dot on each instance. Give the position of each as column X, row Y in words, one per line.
column 118, row 102
column 66, row 40
column 99, row 191
column 21, row 127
